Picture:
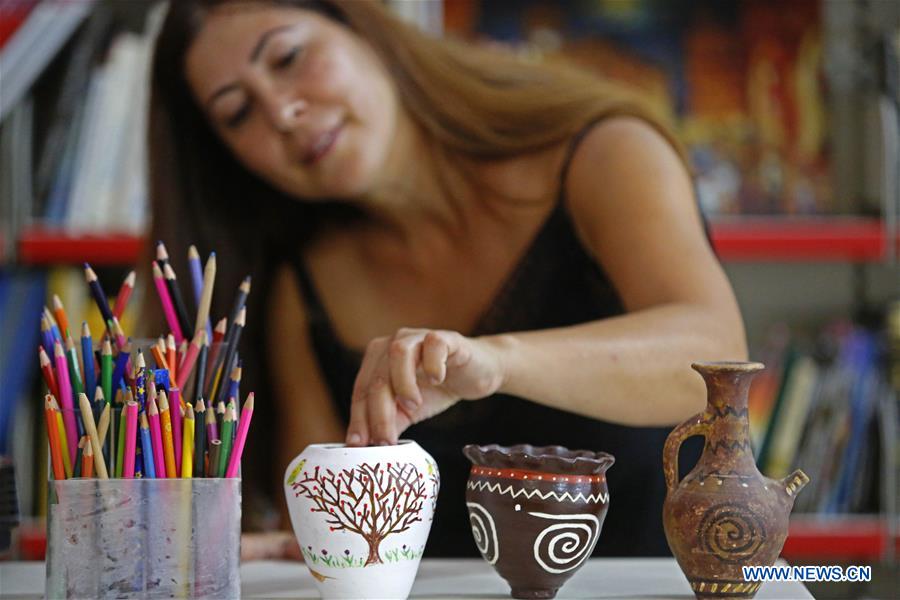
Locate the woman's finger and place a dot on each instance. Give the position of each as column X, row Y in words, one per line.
column 381, row 408
column 404, row 353
column 358, row 429
column 434, row 357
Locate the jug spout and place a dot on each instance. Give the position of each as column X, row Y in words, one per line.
column 793, row 483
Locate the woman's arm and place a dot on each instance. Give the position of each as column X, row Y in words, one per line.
column 632, row 203
column 631, row 200
column 306, row 413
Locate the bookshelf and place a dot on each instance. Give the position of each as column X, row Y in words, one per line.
column 773, row 238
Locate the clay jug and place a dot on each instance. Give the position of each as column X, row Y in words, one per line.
column 724, row 514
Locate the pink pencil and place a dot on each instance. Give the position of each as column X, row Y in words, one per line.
column 184, row 370
column 177, row 415
column 168, row 307
column 234, row 462
column 65, row 399
column 156, row 438
column 131, row 412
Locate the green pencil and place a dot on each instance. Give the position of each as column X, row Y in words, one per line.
column 74, row 371
column 227, row 431
column 106, row 370
column 120, row 445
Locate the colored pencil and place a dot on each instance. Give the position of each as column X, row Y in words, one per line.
column 234, row 382
column 187, row 327
column 215, row 348
column 187, row 444
column 124, row 295
column 47, row 338
column 231, row 348
column 212, row 428
column 118, row 334
column 147, row 450
column 47, row 371
column 204, row 299
column 159, row 357
column 199, row 437
column 63, row 439
column 62, row 320
column 56, row 451
column 159, row 461
column 119, row 368
column 54, row 328
column 65, row 398
column 168, row 308
column 201, row 370
column 140, row 380
column 240, row 300
column 103, row 434
column 106, row 370
column 215, row 451
column 88, row 418
column 74, row 371
column 162, row 255
column 97, row 293
column 177, row 413
column 182, row 352
column 196, row 276
column 171, row 357
column 220, row 416
column 87, row 360
column 131, row 412
column 227, row 427
column 120, row 441
column 234, row 461
column 165, row 420
column 190, row 358
column 87, row 469
column 76, row 468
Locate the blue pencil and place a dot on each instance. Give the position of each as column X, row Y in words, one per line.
column 87, row 358
column 147, row 448
column 119, row 368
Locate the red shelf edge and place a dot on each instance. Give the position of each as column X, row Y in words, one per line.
column 823, row 239
column 748, row 239
column 47, row 247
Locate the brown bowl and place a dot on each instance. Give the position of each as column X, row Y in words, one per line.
column 536, row 512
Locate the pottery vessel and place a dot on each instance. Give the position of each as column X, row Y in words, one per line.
column 724, row 514
column 536, row 513
column 362, row 516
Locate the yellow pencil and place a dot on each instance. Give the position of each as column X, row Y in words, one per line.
column 63, row 440
column 165, row 419
column 187, row 445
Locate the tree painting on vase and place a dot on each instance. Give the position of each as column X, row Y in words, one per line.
column 372, row 501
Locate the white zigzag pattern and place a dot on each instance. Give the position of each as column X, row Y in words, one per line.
column 481, row 486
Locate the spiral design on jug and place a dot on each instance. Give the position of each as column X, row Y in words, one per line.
column 732, row 532
column 484, row 530
column 564, row 546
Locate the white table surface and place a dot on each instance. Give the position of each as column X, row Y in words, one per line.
column 446, row 578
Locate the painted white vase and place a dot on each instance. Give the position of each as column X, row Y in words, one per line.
column 362, row 516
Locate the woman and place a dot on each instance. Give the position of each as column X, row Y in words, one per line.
column 446, row 244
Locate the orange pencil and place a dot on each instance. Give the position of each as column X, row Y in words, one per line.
column 165, row 419
column 159, row 357
column 60, row 312
column 87, row 460
column 171, row 357
column 59, row 471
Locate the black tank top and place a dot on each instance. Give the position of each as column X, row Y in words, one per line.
column 555, row 284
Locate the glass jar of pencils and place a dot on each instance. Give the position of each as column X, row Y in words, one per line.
column 144, row 538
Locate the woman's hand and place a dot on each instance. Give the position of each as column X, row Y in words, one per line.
column 270, row 545
column 415, row 374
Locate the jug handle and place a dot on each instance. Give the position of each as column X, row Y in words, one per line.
column 696, row 425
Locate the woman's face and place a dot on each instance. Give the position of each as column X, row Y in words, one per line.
column 299, row 99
